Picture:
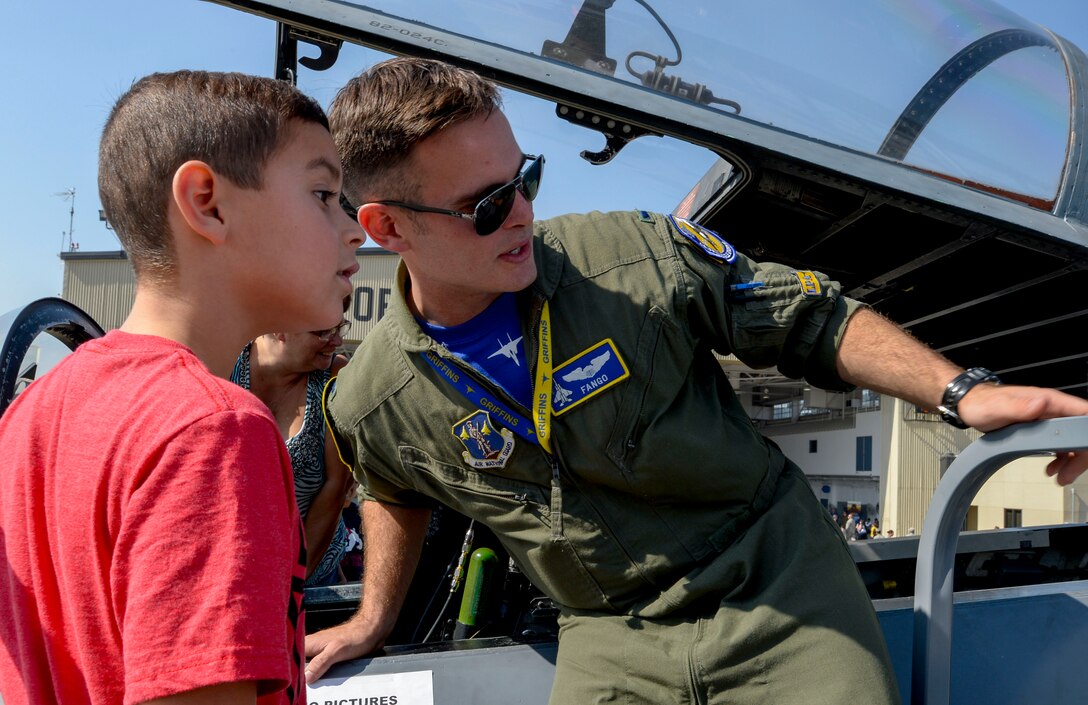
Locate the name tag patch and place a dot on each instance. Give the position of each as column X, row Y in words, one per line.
column 586, row 375
column 706, row 239
column 486, row 447
column 810, row 284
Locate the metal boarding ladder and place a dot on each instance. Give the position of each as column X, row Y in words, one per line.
column 932, row 637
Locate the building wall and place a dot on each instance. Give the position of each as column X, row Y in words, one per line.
column 100, row 283
column 836, row 450
column 832, row 468
column 104, row 285
column 1023, row 485
column 918, row 442
column 373, row 287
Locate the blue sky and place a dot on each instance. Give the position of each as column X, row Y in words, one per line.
column 67, row 65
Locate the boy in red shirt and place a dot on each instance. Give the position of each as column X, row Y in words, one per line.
column 152, row 546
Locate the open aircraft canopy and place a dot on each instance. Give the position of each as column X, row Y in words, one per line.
column 932, row 155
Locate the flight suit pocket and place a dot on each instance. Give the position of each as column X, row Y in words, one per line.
column 519, row 513
column 627, row 428
column 779, row 325
column 501, row 502
column 564, row 577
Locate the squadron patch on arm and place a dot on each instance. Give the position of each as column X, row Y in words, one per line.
column 810, row 284
column 705, row 239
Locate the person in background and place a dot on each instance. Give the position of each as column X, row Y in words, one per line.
column 352, row 564
column 177, row 580
column 288, row 372
column 849, row 527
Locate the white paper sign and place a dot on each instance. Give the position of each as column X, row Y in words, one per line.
column 413, row 688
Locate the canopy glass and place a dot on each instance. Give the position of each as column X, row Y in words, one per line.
column 904, row 79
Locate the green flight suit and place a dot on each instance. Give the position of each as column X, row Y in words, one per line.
column 689, row 557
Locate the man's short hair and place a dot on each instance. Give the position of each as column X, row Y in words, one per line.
column 381, row 114
column 231, row 121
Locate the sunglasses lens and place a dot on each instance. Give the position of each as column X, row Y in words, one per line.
column 493, row 211
column 530, row 179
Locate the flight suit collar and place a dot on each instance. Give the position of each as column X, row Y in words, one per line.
column 550, row 257
column 406, row 330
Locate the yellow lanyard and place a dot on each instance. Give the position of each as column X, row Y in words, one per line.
column 542, row 390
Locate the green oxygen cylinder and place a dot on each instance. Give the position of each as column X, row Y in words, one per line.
column 481, row 570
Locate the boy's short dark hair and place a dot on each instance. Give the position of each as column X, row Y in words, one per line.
column 231, row 121
column 381, row 114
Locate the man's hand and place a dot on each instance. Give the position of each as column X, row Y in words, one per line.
column 352, row 639
column 988, row 407
column 393, row 539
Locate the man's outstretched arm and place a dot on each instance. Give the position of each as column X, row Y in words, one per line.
column 392, row 542
column 878, row 355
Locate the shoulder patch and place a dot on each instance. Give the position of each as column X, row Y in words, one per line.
column 486, row 447
column 705, row 239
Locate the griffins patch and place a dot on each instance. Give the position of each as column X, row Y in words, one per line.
column 486, row 447
column 705, row 239
column 586, row 375
column 810, row 283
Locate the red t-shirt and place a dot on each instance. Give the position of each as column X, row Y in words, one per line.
column 150, row 535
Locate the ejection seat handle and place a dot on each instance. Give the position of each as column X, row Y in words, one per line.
column 932, row 652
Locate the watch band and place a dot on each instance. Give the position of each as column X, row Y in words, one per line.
column 957, row 388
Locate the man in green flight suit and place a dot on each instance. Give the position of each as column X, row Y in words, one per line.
column 556, row 381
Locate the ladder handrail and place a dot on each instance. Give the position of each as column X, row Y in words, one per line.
column 932, row 652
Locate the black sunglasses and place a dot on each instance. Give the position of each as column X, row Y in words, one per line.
column 494, row 208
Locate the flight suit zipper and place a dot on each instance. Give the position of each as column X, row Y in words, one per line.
column 535, row 310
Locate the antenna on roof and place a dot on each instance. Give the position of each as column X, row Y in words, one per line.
column 69, row 195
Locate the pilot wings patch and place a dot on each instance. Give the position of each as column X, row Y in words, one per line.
column 586, row 375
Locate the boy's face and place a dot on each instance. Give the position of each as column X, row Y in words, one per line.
column 299, row 245
column 450, row 264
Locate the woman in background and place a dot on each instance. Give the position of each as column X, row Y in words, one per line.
column 288, row 373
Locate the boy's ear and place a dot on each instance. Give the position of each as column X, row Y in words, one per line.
column 382, row 223
column 196, row 191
